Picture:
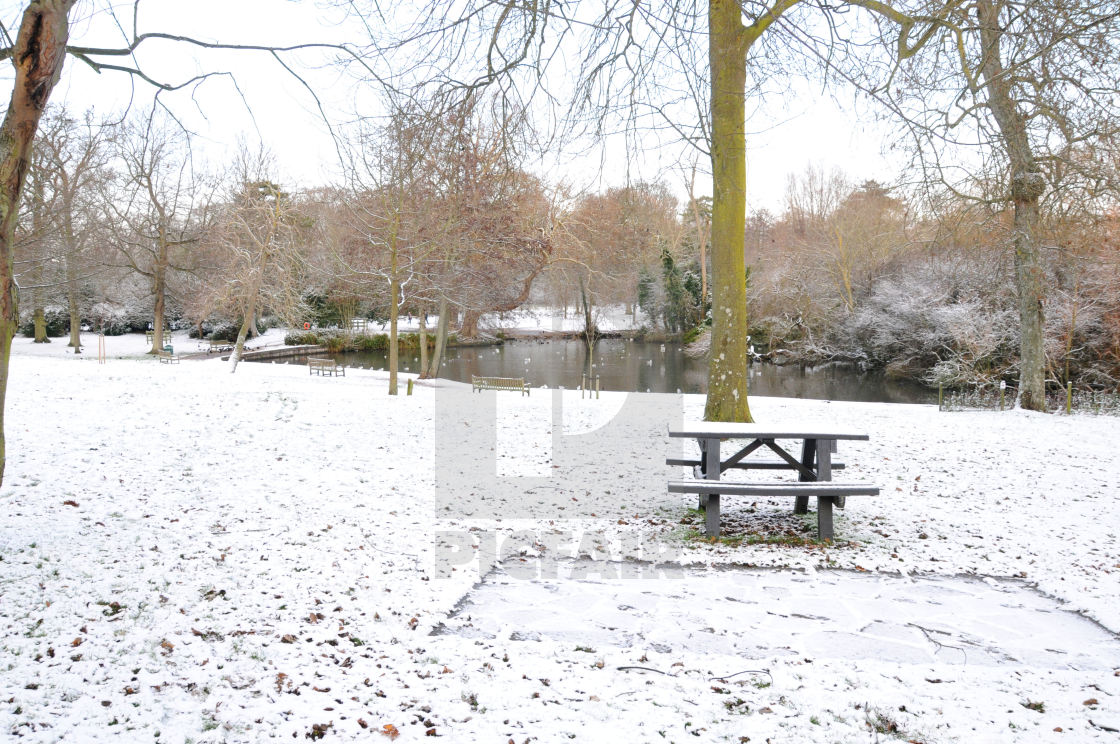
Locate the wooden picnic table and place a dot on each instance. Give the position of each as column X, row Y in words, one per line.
column 813, row 466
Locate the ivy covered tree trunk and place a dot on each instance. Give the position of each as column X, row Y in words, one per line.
column 38, row 55
column 727, row 360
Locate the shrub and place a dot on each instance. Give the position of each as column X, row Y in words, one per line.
column 378, row 342
column 302, row 338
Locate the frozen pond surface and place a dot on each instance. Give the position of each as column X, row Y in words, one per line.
column 759, row 614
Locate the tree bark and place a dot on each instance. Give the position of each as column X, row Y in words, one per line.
column 159, row 289
column 71, row 261
column 157, row 313
column 394, row 315
column 469, row 329
column 38, row 56
column 423, row 318
column 40, row 321
column 1026, row 187
column 441, row 338
column 243, row 333
column 727, row 361
column 73, row 306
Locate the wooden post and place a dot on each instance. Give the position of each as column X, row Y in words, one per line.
column 1002, row 388
column 409, row 391
column 940, row 395
column 1069, row 398
column 101, row 348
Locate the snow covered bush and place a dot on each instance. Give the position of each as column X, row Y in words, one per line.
column 58, row 322
column 941, row 328
column 115, row 319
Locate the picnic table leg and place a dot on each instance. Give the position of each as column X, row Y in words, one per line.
column 808, row 455
column 825, row 448
column 709, row 502
column 711, row 515
column 824, row 517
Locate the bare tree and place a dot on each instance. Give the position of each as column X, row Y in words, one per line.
column 38, row 50
column 643, row 68
column 261, row 233
column 160, row 208
column 387, row 213
column 1029, row 86
column 73, row 158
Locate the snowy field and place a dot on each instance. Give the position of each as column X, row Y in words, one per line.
column 190, row 555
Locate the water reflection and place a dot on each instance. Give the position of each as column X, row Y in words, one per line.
column 649, row 366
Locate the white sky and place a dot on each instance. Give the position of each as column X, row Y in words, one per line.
column 284, row 116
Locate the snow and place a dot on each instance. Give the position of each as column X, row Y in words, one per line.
column 190, row 555
column 536, row 319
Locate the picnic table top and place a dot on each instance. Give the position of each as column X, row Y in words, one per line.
column 725, row 430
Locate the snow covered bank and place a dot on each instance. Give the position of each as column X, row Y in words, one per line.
column 216, row 557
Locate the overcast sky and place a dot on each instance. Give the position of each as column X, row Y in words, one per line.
column 267, row 104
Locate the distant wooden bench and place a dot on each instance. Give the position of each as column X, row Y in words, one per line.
column 826, row 493
column 216, row 344
column 167, row 357
column 324, row 366
column 499, row 383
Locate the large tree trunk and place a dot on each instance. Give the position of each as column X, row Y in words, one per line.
column 38, row 55
column 73, row 307
column 38, row 315
column 441, row 339
column 423, row 317
column 1027, row 185
column 159, row 291
column 394, row 317
column 157, row 314
column 394, row 314
column 243, row 333
column 71, row 261
column 39, row 319
column 469, row 329
column 727, row 360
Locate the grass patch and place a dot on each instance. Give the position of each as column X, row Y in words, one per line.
column 754, row 526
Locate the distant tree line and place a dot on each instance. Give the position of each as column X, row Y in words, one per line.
column 122, row 231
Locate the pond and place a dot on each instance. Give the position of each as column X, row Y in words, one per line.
column 647, row 366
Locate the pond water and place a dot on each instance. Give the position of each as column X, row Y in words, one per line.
column 647, row 366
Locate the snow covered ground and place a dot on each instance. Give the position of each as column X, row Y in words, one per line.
column 190, row 555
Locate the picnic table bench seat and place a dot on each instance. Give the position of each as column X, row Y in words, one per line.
column 827, row 494
column 167, row 357
column 751, row 465
column 324, row 366
column 499, row 383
